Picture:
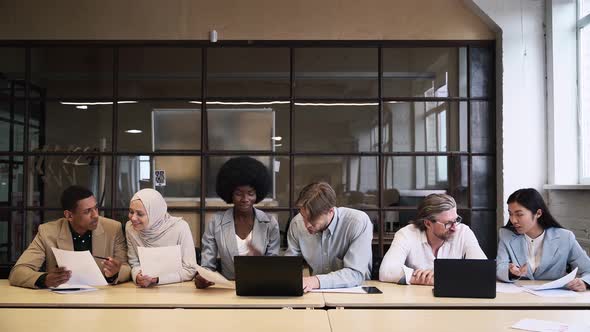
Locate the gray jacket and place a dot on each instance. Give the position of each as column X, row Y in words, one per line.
column 560, row 249
column 219, row 240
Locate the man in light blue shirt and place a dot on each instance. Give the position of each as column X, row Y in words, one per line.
column 334, row 241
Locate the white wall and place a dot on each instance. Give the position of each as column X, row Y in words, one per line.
column 521, row 102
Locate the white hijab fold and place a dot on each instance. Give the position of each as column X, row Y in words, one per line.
column 159, row 221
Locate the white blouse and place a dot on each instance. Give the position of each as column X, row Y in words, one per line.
column 244, row 245
column 534, row 251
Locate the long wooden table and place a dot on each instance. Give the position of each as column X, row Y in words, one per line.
column 404, row 296
column 145, row 320
column 127, row 295
column 425, row 320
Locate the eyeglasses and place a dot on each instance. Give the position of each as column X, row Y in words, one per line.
column 450, row 223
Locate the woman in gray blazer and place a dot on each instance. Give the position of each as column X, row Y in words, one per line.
column 243, row 229
column 535, row 246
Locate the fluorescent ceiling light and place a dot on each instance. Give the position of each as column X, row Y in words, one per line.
column 337, row 104
column 82, row 107
column 133, row 131
column 246, row 102
column 93, row 103
column 276, row 138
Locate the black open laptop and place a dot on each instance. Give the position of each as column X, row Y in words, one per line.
column 465, row 278
column 269, row 275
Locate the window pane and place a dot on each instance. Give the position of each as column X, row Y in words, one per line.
column 336, row 72
column 149, row 126
column 73, row 71
column 423, row 72
column 11, row 182
column 483, row 186
column 248, row 72
column 50, row 175
column 12, row 112
column 585, row 99
column 160, row 72
column 584, row 8
column 36, row 124
column 482, row 127
column 11, row 235
column 12, row 71
column 353, row 178
column 394, row 220
column 73, row 127
column 424, row 126
column 483, row 224
column 263, row 127
column 179, row 182
column 407, row 180
column 335, row 128
column 278, row 167
column 481, row 72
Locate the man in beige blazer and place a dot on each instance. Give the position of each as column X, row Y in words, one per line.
column 80, row 229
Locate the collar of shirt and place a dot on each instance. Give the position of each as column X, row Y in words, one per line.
column 77, row 238
column 332, row 227
column 538, row 239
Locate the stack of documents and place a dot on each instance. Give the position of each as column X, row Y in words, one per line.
column 554, row 288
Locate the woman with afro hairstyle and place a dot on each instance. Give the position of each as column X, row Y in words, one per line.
column 241, row 230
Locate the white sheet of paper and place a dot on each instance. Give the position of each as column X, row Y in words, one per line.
column 215, row 277
column 559, row 283
column 538, row 325
column 351, row 290
column 83, row 267
column 71, row 288
column 503, row 287
column 159, row 261
column 552, row 292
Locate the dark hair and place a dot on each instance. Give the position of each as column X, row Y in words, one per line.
column 242, row 171
column 532, row 201
column 71, row 195
column 317, row 198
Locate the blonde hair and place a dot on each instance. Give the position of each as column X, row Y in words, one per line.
column 432, row 206
column 316, row 198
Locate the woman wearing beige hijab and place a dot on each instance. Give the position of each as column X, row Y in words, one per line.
column 150, row 225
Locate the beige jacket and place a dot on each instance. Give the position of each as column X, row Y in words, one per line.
column 107, row 240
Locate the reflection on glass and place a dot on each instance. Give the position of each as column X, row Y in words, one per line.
column 407, row 180
column 353, row 178
column 11, row 182
column 394, row 220
column 340, row 127
column 423, row 72
column 424, row 126
column 12, row 71
column 11, row 114
column 278, row 168
column 177, row 178
column 483, row 183
column 50, row 175
column 160, row 72
column 149, row 126
column 73, row 71
column 11, row 235
column 261, row 127
column 482, row 127
column 248, row 72
column 481, row 72
column 68, row 127
column 193, row 219
column 336, row 72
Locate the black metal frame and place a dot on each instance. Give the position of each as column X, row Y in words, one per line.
column 204, row 152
